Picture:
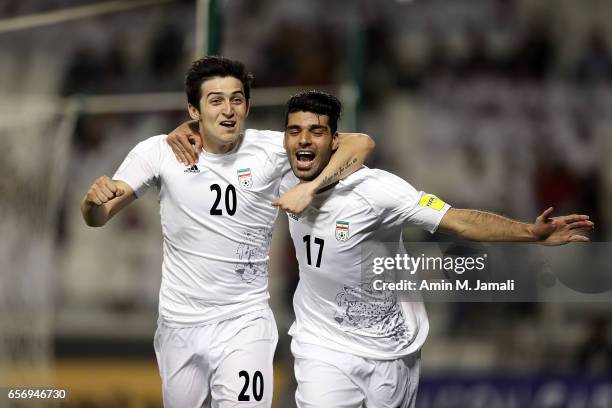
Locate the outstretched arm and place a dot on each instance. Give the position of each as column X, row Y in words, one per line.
column 104, row 199
column 484, row 226
column 352, row 152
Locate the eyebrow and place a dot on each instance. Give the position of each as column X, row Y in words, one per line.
column 315, row 127
column 221, row 93
column 310, row 127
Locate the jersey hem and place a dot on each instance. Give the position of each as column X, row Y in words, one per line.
column 345, row 350
column 178, row 325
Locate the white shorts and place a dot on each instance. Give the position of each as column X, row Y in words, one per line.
column 328, row 378
column 224, row 364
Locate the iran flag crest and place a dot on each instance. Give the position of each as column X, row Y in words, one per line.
column 244, row 178
column 342, row 230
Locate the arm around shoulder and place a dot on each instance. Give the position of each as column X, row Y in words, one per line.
column 353, row 151
column 361, row 142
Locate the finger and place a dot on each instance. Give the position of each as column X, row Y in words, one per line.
column 107, row 193
column 195, row 138
column 100, row 181
column 568, row 219
column 581, row 224
column 578, row 238
column 197, row 144
column 186, row 160
column 119, row 192
column 182, row 158
column 107, row 186
column 92, row 198
column 188, row 155
column 177, row 150
column 297, row 209
column 186, row 148
column 546, row 214
column 180, row 153
column 584, row 229
column 276, row 203
column 110, row 185
column 101, row 196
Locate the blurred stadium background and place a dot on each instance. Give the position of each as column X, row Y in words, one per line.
column 503, row 105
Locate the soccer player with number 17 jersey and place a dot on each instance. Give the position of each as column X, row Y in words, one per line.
column 355, row 346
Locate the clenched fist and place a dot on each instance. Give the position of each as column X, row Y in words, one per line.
column 103, row 190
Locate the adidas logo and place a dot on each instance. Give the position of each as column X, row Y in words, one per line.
column 192, row 169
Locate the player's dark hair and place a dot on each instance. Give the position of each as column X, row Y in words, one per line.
column 317, row 102
column 209, row 67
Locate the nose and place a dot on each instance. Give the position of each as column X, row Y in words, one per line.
column 305, row 139
column 228, row 109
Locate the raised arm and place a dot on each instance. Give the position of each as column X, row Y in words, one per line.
column 484, row 226
column 104, row 199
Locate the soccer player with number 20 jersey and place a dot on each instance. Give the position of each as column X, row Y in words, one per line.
column 216, row 335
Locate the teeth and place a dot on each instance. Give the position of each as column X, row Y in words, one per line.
column 308, row 156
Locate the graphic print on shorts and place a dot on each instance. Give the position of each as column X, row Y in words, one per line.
column 373, row 312
column 253, row 252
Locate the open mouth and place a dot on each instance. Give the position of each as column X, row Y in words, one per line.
column 304, row 159
column 228, row 124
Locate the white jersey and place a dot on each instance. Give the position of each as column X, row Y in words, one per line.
column 216, row 220
column 335, row 240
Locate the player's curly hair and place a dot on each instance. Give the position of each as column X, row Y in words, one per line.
column 318, row 102
column 214, row 66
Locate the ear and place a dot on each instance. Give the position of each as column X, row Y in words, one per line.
column 334, row 145
column 193, row 112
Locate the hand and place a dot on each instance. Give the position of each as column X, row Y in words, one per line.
column 561, row 230
column 186, row 142
column 297, row 198
column 102, row 191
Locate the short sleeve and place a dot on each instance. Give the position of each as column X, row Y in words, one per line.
column 397, row 202
column 276, row 140
column 283, row 164
column 140, row 168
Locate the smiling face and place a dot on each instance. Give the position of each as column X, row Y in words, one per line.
column 309, row 143
column 221, row 114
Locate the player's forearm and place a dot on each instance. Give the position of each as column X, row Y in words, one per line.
column 94, row 215
column 485, row 226
column 353, row 151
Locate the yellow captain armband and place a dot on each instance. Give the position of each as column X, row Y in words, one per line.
column 430, row 200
